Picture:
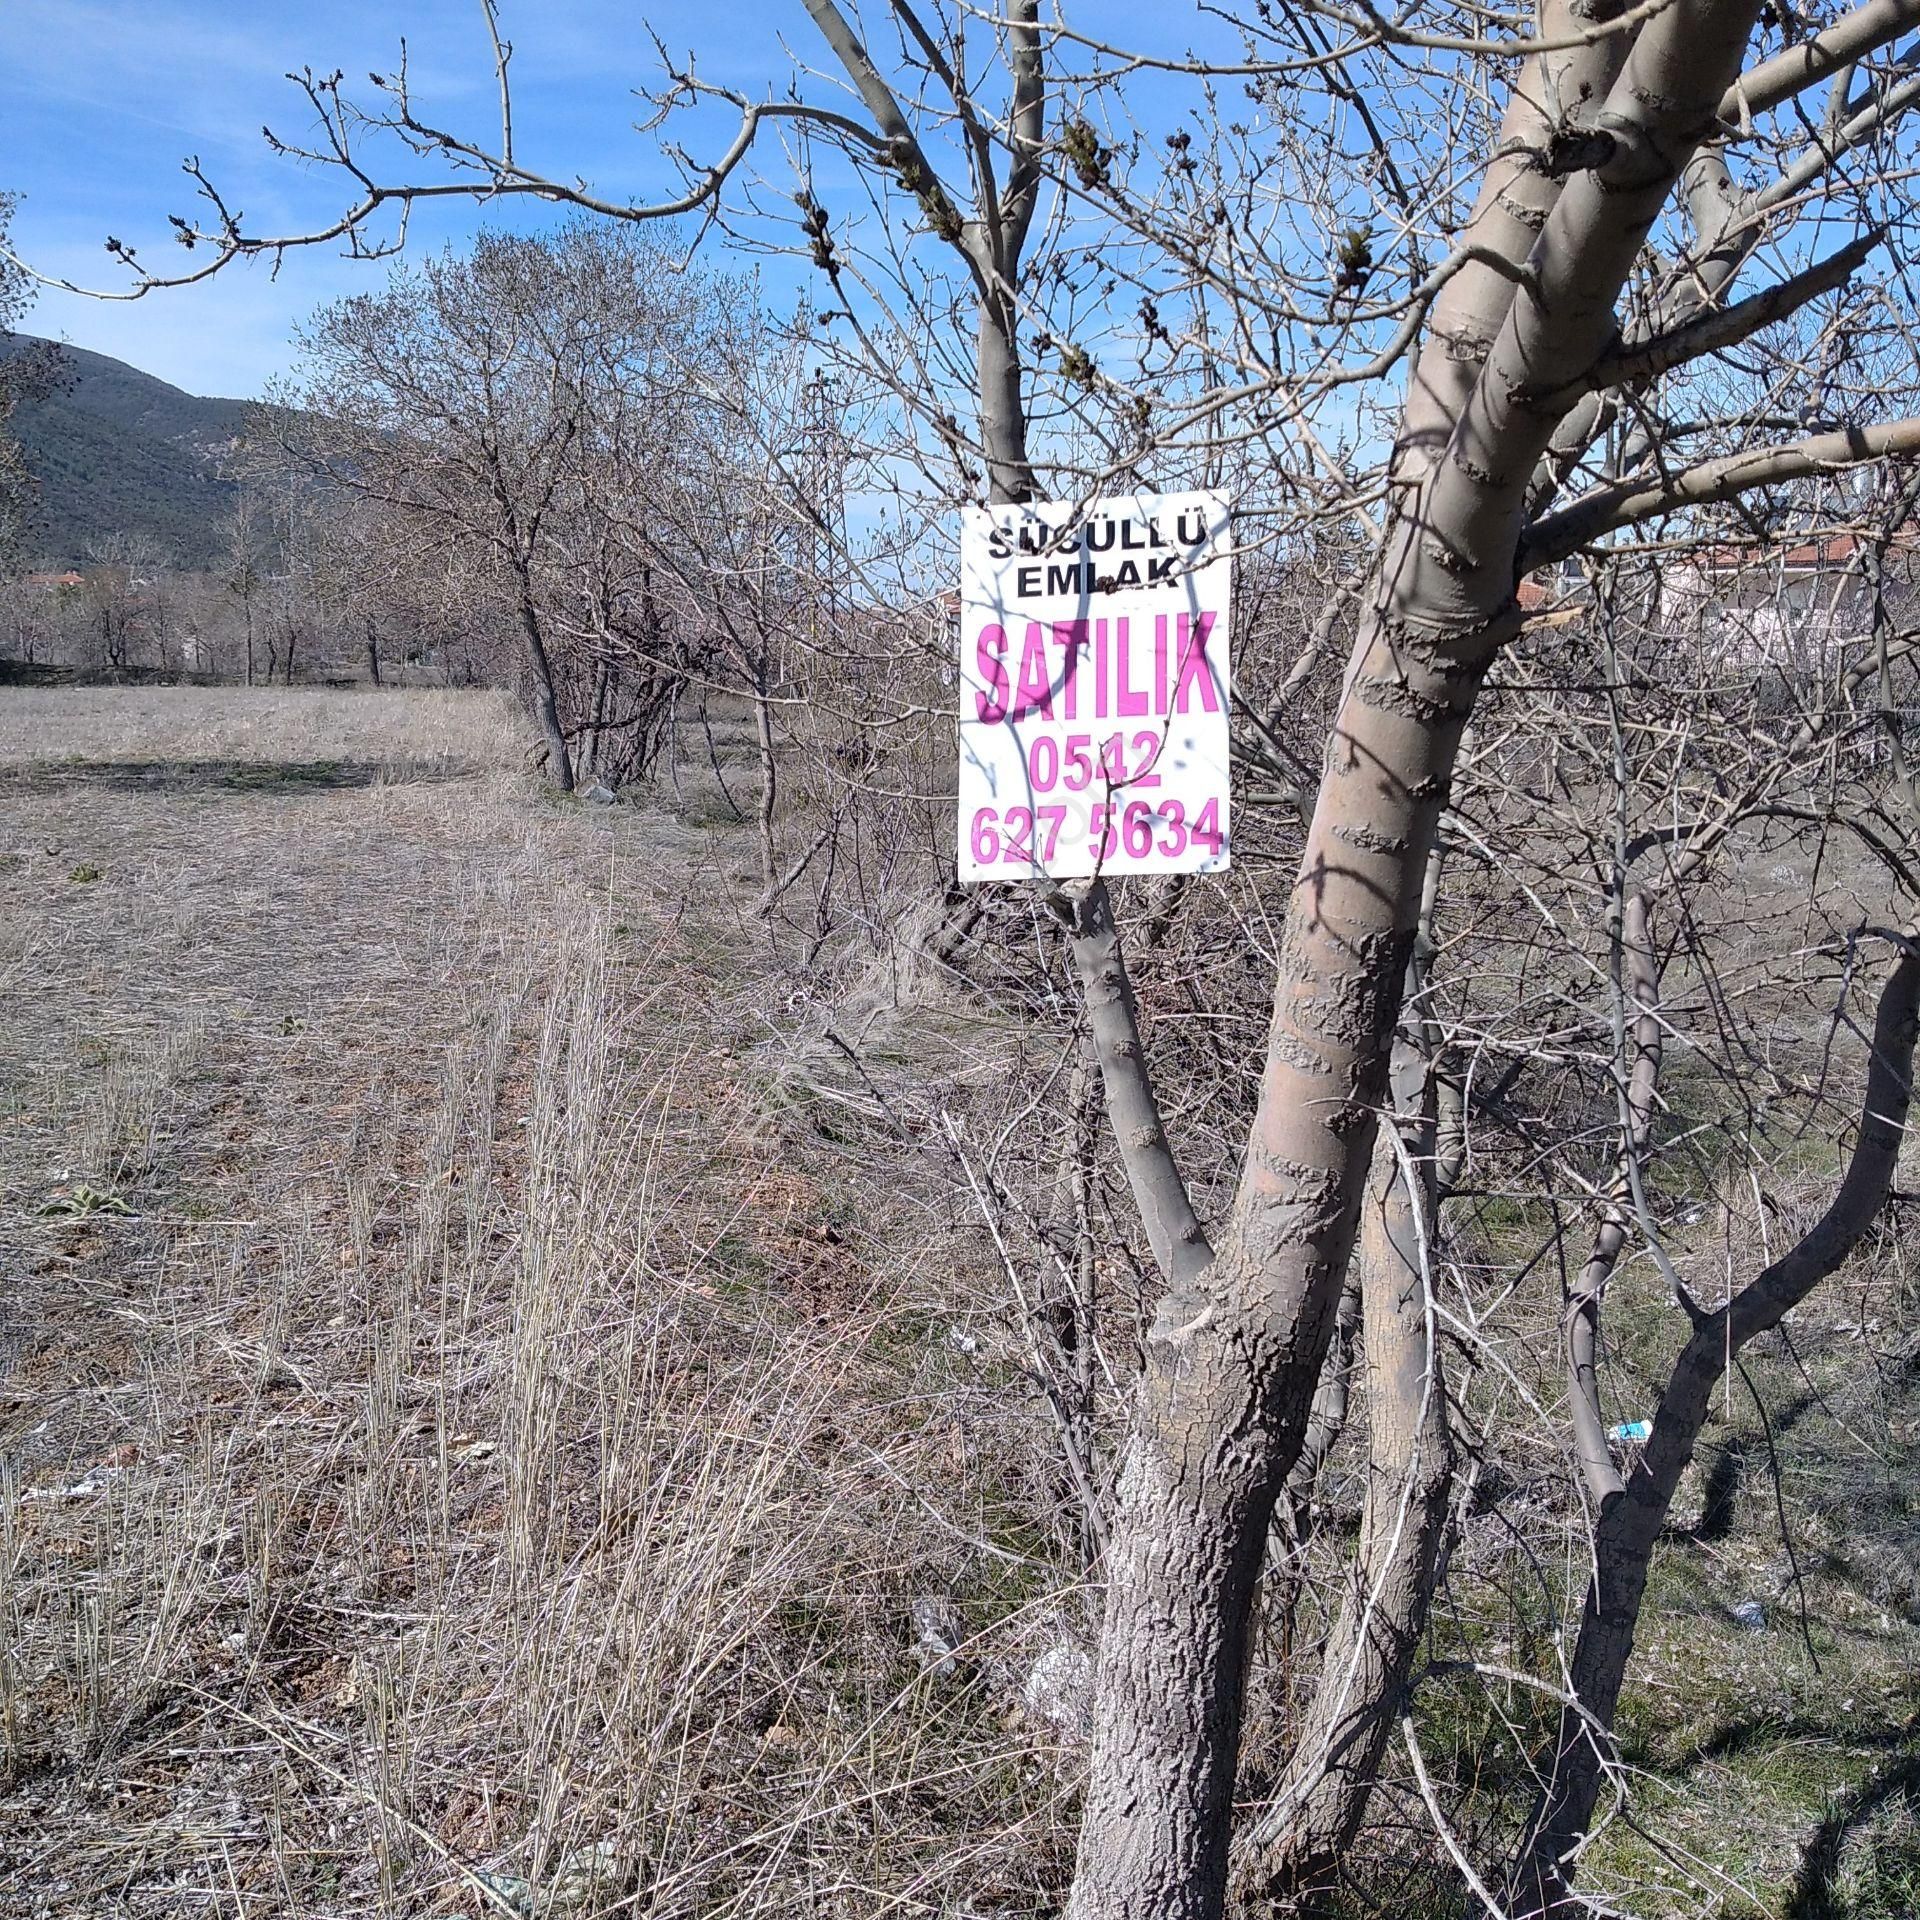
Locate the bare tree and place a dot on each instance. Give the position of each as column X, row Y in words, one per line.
column 1510, row 336
column 244, row 569
column 523, row 404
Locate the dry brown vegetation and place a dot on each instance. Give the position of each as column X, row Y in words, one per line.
column 450, row 1427
column 393, row 733
column 504, row 1413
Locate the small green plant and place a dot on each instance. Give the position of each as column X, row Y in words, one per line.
column 82, row 1202
column 85, row 874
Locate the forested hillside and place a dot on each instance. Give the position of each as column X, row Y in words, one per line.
column 119, row 454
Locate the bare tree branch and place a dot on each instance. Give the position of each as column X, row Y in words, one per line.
column 1626, row 503
column 1179, row 1241
column 1850, row 38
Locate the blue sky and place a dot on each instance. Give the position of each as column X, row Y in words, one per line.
column 100, row 100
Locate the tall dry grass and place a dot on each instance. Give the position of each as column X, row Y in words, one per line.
column 407, row 729
column 558, row 1425
column 494, row 1463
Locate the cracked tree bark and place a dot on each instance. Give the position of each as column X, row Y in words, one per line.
column 1234, row 1354
column 1322, row 1798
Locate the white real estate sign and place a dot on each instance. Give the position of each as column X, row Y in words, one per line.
column 1095, row 687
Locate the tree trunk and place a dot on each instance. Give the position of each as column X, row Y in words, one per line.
column 1326, row 1422
column 1234, row 1355
column 1364, row 1669
column 1631, row 1523
column 546, row 705
column 596, row 722
column 1003, row 420
column 1233, row 1358
column 1174, row 1232
column 373, row 652
column 769, row 775
column 1639, row 1044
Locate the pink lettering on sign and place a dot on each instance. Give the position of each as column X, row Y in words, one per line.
column 990, row 703
column 1131, row 701
column 1130, row 679
column 1075, row 636
column 1194, row 671
column 1036, row 684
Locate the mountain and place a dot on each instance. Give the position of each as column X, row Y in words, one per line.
column 118, row 452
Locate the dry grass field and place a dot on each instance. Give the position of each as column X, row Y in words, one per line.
column 458, row 1450
column 489, row 1425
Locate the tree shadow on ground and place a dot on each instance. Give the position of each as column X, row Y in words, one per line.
column 1726, row 1468
column 1816, row 1893
column 1761, row 1731
column 221, row 776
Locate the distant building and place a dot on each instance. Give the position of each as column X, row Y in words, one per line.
column 1787, row 604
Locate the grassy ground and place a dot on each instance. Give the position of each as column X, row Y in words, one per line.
column 457, row 1449
column 492, row 1419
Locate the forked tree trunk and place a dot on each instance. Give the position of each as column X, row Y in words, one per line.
column 1364, row 1669
column 1234, row 1356
column 1516, row 335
